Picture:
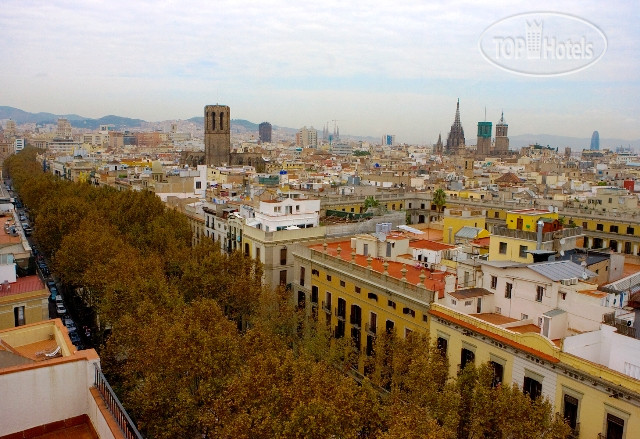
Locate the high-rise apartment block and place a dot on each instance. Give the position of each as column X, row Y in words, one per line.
column 307, row 137
column 64, row 129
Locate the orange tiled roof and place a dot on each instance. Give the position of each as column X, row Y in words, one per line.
column 22, row 285
column 434, row 280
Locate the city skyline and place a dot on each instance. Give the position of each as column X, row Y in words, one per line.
column 389, row 68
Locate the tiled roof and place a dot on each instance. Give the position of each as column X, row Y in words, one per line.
column 434, row 280
column 22, row 285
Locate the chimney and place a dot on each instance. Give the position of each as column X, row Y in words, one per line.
column 539, row 241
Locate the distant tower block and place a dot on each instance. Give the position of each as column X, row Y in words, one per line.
column 595, row 141
column 217, row 135
column 484, row 139
column 502, row 141
column 264, row 131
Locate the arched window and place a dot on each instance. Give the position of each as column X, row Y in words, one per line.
column 221, row 124
column 213, row 120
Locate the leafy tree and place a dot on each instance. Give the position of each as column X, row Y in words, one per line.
column 370, row 202
column 439, row 198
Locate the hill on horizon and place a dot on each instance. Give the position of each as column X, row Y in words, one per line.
column 242, row 125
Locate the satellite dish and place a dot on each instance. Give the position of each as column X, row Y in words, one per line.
column 585, row 276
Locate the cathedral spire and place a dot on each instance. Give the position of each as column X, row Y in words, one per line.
column 455, row 139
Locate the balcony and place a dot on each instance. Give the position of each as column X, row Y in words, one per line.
column 339, row 315
column 326, row 307
column 370, row 329
column 356, row 323
column 113, row 405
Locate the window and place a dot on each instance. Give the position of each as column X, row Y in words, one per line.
column 563, row 295
column 524, row 316
column 600, row 227
column 407, row 332
column 356, row 315
column 498, row 373
column 442, row 344
column 283, row 277
column 614, row 427
column 425, row 318
column 494, row 282
column 503, row 248
column 498, row 310
column 329, row 277
column 357, row 289
column 365, row 250
column 496, row 214
column 315, row 272
column 246, row 249
column 389, row 326
column 408, row 311
column 342, row 284
column 391, row 303
column 523, row 251
column 302, row 273
column 570, row 410
column 508, row 287
column 314, row 294
column 613, row 229
column 467, row 356
column 283, row 256
column 454, row 302
column 584, row 225
column 468, row 302
column 539, row 293
column 18, row 316
column 532, row 387
column 630, row 231
column 301, row 300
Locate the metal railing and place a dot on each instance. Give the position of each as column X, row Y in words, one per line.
column 118, row 412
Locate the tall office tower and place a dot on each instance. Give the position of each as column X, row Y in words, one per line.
column 307, row 137
column 484, row 139
column 455, row 140
column 264, row 129
column 217, row 135
column 389, row 140
column 64, row 129
column 502, row 141
column 437, row 149
column 595, row 141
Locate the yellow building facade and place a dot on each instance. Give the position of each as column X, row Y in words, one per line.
column 23, row 302
column 596, row 400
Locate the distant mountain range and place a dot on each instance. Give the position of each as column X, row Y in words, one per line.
column 241, row 125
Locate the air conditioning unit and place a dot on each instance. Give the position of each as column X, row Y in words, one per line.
column 574, row 281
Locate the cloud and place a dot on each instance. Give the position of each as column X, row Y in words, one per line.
column 304, row 59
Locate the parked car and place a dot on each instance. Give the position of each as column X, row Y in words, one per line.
column 60, row 309
column 71, row 326
column 55, row 294
column 75, row 338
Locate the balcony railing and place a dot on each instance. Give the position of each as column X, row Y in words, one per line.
column 326, row 308
column 370, row 329
column 532, row 236
column 118, row 412
column 340, row 316
column 622, row 326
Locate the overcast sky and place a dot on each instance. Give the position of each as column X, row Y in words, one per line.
column 377, row 67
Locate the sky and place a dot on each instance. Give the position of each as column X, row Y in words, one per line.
column 376, row 67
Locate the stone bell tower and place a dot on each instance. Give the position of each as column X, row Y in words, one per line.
column 217, row 135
